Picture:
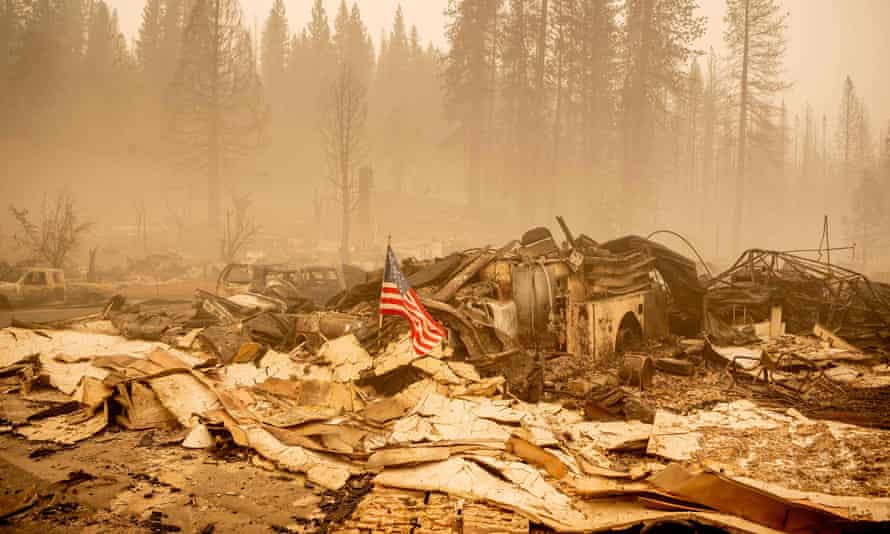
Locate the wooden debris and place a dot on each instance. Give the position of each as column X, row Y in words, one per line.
column 533, row 498
column 66, row 429
column 833, row 339
column 407, row 455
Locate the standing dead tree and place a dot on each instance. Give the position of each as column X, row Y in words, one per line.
column 56, row 235
column 342, row 131
column 240, row 229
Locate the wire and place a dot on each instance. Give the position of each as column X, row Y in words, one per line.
column 688, row 244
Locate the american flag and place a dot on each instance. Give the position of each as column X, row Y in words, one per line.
column 398, row 298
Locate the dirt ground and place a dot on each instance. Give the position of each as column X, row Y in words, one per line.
column 133, row 482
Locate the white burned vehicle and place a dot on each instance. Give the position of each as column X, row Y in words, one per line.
column 41, row 286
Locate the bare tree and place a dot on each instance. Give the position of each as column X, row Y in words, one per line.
column 240, row 229
column 342, row 131
column 58, row 233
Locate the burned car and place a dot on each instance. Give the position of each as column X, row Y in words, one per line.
column 40, row 286
column 299, row 287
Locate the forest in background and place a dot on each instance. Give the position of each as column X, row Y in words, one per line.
column 603, row 111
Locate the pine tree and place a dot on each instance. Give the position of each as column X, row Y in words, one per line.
column 101, row 37
column 172, row 26
column 659, row 39
column 217, row 109
column 156, row 54
column 40, row 71
column 319, row 29
column 319, row 48
column 107, row 67
column 394, row 96
column 415, row 45
column 755, row 36
column 694, row 96
column 864, row 147
column 468, row 68
column 276, row 39
column 304, row 77
column 310, row 64
column 519, row 93
column 352, row 43
column 537, row 110
column 10, row 42
column 150, row 40
column 10, row 29
column 427, row 124
column 399, row 46
column 558, row 66
column 869, row 222
column 593, row 72
column 74, row 16
column 871, row 196
column 383, row 62
column 849, row 130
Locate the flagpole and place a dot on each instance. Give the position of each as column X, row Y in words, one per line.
column 380, row 315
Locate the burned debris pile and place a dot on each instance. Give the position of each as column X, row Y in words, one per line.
column 813, row 334
column 809, row 292
column 572, row 392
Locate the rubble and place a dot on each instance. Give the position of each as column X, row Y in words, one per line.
column 809, row 292
column 563, row 397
